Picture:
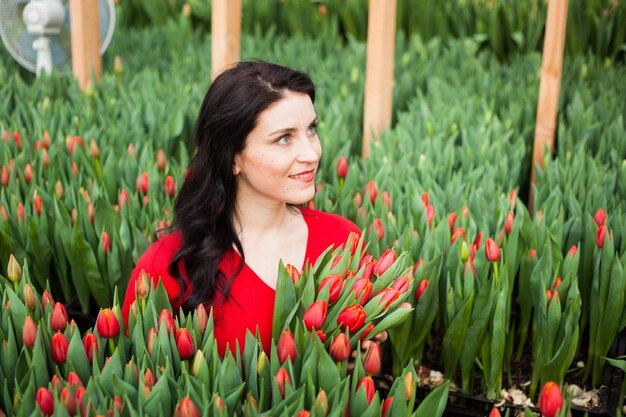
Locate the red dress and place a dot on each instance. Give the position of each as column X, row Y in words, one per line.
column 251, row 300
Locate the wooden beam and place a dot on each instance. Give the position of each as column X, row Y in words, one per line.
column 550, row 85
column 85, row 40
column 381, row 36
column 225, row 34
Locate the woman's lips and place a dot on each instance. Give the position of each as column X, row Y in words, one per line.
column 305, row 176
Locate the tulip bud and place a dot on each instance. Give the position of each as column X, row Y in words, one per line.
column 46, row 300
column 184, row 344
column 166, row 318
column 494, row 412
column 107, row 324
column 430, row 214
column 14, row 271
column 29, row 332
column 123, row 198
column 315, row 315
column 106, row 242
column 67, row 398
column 161, row 160
column 117, row 405
column 408, row 386
column 366, row 332
column 321, row 402
column 321, row 335
column 600, row 236
column 362, row 289
column 152, row 336
column 478, row 240
column 557, row 282
column 170, row 186
column 464, row 251
column 372, row 190
column 281, row 378
column 389, row 296
column 142, row 183
column 425, row 199
column 58, row 320
column 371, row 362
column 532, row 253
column 293, row 273
column 45, row 401
column 143, row 284
column 335, row 283
column 508, row 223
column 492, row 251
column 186, row 408
column 28, row 173
column 202, row 317
column 340, row 348
column 401, row 284
column 89, row 343
column 261, row 362
column 572, row 251
column 370, row 390
column 380, row 230
column 384, row 262
column 370, row 264
column 451, row 221
column 358, row 200
column 304, row 413
column 470, row 265
column 37, row 204
column 58, row 189
column 74, row 380
column 550, row 400
column 599, row 217
column 351, row 318
column 421, row 287
column 459, row 232
column 130, row 149
column 149, row 379
column 386, row 406
column 93, row 149
column 6, row 176
column 286, row 347
column 58, row 348
column 342, row 167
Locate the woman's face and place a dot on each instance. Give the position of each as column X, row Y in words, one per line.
column 281, row 154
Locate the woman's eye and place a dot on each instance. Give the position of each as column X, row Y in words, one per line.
column 312, row 129
column 283, row 140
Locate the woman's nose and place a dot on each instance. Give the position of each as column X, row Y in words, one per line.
column 309, row 150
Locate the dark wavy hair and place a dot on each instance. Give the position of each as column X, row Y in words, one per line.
column 205, row 205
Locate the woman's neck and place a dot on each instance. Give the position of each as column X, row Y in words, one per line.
column 254, row 219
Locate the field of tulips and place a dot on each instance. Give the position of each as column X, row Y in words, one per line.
column 473, row 286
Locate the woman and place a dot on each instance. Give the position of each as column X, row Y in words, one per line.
column 238, row 212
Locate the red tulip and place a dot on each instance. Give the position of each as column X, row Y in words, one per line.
column 149, row 379
column 470, row 265
column 123, row 198
column 142, row 183
column 106, row 242
column 282, row 377
column 28, row 173
column 335, row 283
column 430, row 214
column 321, row 335
column 293, row 273
column 58, row 320
column 557, row 282
column 425, row 199
column 478, row 240
column 202, row 317
column 458, row 233
column 184, row 344
column 68, row 399
column 421, row 287
column 371, row 362
column 166, row 318
column 170, row 186
column 550, row 399
column 494, row 412
column 286, row 347
column 451, row 220
column 340, row 348
column 94, row 150
column 532, row 253
column 29, row 332
column 186, row 408
column 492, row 251
column 385, row 261
column 372, row 190
column 89, row 343
column 6, row 176
column 152, row 335
column 58, row 348
column 362, row 289
column 508, row 223
column 46, row 300
column 116, row 406
column 37, row 205
column 380, row 230
column 600, row 217
column 351, row 318
column 600, row 235
column 30, row 300
column 370, row 390
column 572, row 251
column 389, row 296
column 73, row 380
column 370, row 264
column 161, row 160
column 342, row 167
column 45, row 401
column 401, row 284
column 387, row 200
column 386, row 406
column 304, row 413
column 107, row 324
column 367, row 331
column 21, row 214
column 315, row 315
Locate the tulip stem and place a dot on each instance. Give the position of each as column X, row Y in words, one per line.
column 111, row 346
column 495, row 271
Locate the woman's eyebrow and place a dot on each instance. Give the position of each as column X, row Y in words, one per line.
column 290, row 129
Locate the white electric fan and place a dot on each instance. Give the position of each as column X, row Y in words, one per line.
column 37, row 32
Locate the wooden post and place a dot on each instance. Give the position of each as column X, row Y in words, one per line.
column 225, row 34
column 85, row 40
column 381, row 32
column 550, row 85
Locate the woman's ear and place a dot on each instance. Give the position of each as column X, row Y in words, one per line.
column 236, row 165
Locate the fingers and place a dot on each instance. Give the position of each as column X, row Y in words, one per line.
column 381, row 337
